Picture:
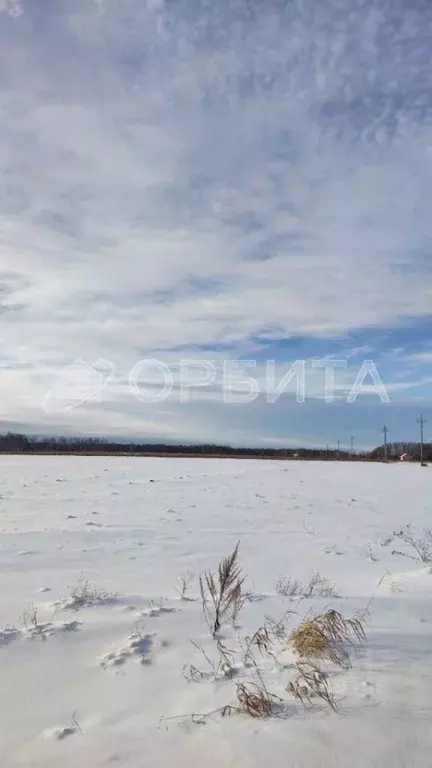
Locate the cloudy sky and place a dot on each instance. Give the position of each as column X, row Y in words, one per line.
column 215, row 181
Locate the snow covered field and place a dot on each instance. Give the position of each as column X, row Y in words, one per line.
column 87, row 685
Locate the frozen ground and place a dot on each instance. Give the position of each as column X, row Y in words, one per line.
column 88, row 685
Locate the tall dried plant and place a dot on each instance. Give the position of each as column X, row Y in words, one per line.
column 221, row 593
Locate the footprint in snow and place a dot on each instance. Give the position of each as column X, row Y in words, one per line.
column 156, row 610
column 62, row 732
column 137, row 648
column 8, row 634
column 333, row 551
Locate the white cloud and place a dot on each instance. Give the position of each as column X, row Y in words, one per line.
column 420, row 357
column 283, row 161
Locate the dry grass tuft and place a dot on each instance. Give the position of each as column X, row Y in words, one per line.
column 325, row 635
column 36, row 628
column 223, row 667
column 317, row 586
column 311, row 683
column 221, row 593
column 422, row 546
column 309, row 640
column 263, row 641
column 255, row 700
column 29, row 618
column 84, row 593
column 289, row 587
column 184, row 582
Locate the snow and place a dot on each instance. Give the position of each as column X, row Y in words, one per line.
column 94, row 548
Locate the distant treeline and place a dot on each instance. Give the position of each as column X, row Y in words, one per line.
column 18, row 443
column 395, row 450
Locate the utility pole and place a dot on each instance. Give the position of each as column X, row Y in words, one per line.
column 385, row 431
column 422, row 422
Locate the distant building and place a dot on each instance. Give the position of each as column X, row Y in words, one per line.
column 405, row 457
